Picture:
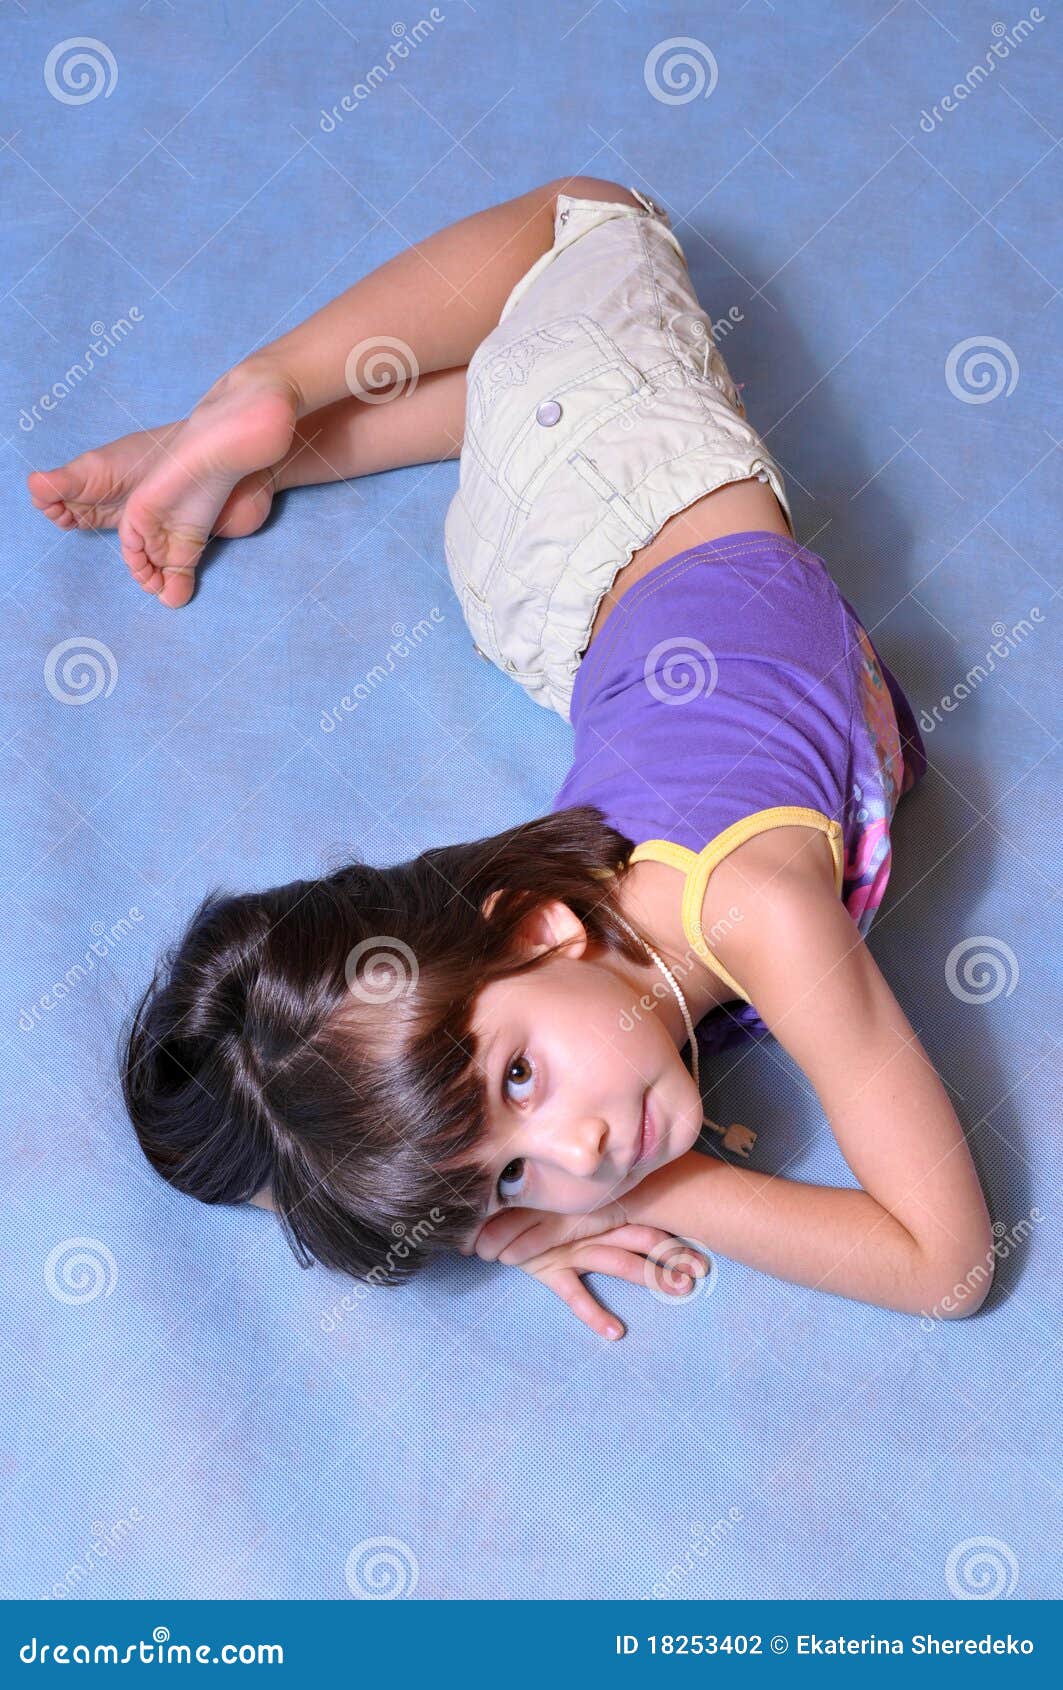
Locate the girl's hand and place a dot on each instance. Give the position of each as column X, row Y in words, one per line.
column 514, row 1235
column 557, row 1249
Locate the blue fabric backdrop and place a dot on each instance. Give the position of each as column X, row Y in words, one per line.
column 189, row 1414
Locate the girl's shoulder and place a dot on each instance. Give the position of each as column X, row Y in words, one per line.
column 750, row 891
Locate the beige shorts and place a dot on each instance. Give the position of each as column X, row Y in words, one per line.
column 597, row 408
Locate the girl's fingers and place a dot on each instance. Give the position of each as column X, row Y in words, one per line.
column 596, row 1257
column 567, row 1285
column 664, row 1247
column 502, row 1229
column 531, row 1241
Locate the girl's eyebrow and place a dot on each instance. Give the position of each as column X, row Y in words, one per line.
column 493, row 1204
column 488, row 1052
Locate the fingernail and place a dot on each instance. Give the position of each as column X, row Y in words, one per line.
column 613, row 1331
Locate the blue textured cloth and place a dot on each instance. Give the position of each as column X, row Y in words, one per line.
column 185, row 1412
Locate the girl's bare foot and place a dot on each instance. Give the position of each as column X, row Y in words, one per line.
column 91, row 490
column 244, row 424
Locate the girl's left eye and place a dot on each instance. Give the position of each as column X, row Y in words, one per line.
column 508, row 1175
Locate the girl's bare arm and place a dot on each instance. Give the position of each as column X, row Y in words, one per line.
column 918, row 1236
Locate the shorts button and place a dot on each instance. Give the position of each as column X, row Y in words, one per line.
column 548, row 413
column 762, row 475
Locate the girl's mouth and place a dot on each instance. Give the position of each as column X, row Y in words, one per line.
column 648, row 1135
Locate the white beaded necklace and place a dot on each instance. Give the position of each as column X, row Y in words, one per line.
column 680, row 999
column 735, row 1137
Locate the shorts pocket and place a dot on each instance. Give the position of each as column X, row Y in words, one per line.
column 531, row 402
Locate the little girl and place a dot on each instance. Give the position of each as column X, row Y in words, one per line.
column 483, row 1048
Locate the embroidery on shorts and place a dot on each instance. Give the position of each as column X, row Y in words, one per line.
column 511, row 365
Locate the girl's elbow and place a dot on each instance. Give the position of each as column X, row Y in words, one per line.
column 961, row 1285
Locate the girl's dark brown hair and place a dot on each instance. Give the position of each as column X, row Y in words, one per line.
column 315, row 1040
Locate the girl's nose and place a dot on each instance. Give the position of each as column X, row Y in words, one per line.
column 578, row 1146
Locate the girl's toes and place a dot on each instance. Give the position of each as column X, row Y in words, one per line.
column 47, row 485
column 134, row 554
column 162, row 561
column 51, row 488
column 179, row 585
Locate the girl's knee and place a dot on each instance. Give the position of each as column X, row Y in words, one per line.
column 593, row 188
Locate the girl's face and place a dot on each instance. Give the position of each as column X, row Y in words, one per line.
column 570, row 1054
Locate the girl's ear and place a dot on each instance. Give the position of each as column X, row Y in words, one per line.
column 553, row 923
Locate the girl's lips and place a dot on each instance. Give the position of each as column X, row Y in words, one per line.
column 647, row 1137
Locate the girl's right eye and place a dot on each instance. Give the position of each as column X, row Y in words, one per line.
column 516, row 1062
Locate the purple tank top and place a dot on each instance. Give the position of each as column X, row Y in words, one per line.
column 734, row 689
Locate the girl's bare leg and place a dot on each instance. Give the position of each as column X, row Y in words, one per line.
column 421, row 424
column 424, row 311
column 352, row 437
column 417, row 424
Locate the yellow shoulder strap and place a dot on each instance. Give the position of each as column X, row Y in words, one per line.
column 698, row 865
